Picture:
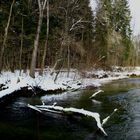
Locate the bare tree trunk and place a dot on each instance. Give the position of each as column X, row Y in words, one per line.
column 21, row 45
column 46, row 42
column 67, row 37
column 68, row 60
column 36, row 42
column 5, row 37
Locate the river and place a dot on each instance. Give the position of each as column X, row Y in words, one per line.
column 18, row 122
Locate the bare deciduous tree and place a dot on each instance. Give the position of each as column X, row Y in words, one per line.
column 21, row 44
column 5, row 36
column 41, row 6
column 46, row 42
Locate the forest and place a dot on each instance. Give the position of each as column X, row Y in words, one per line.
column 40, row 34
column 69, row 69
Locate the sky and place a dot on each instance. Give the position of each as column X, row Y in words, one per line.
column 135, row 13
column 135, row 23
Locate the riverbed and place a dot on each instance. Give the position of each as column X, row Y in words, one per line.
column 18, row 122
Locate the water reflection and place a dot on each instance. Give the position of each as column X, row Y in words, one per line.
column 61, row 97
column 130, row 116
column 19, row 122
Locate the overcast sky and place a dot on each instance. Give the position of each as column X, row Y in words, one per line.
column 135, row 12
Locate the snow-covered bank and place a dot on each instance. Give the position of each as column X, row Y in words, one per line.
column 10, row 82
column 98, row 77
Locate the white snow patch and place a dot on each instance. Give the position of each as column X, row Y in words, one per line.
column 96, row 78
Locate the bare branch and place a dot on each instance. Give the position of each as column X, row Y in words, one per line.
column 63, row 9
column 77, row 22
column 77, row 6
column 44, row 4
column 39, row 5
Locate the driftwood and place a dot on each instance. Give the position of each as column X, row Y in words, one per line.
column 59, row 109
column 105, row 120
column 96, row 93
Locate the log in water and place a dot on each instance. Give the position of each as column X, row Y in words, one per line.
column 17, row 121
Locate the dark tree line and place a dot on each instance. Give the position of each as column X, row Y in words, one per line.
column 70, row 35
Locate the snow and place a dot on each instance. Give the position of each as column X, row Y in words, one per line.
column 93, row 4
column 99, row 91
column 108, row 117
column 94, row 115
column 13, row 82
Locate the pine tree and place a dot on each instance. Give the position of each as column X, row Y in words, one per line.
column 102, row 28
column 121, row 20
column 112, row 31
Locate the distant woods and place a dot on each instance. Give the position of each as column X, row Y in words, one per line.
column 65, row 33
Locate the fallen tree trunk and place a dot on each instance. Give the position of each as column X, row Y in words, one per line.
column 105, row 120
column 96, row 93
column 59, row 109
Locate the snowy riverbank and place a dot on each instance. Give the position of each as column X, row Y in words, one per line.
column 11, row 82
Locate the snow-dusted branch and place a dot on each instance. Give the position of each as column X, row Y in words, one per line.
column 108, row 117
column 94, row 115
column 105, row 120
column 34, row 108
column 96, row 93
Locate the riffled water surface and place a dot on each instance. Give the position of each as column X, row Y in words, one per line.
column 19, row 122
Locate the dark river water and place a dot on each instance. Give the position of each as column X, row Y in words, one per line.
column 18, row 122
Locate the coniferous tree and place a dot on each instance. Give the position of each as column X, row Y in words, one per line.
column 76, row 36
column 102, row 28
column 122, row 25
column 112, row 31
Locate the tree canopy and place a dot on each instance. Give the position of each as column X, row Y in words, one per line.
column 77, row 36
